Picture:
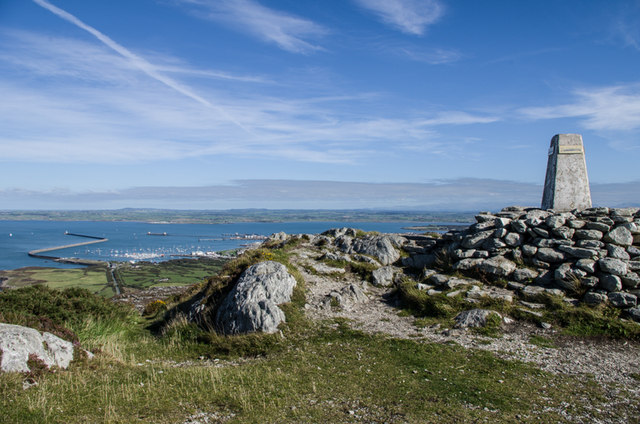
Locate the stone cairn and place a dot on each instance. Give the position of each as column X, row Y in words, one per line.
column 592, row 255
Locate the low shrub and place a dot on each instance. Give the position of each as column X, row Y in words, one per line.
column 55, row 311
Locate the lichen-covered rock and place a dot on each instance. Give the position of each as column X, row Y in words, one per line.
column 610, row 282
column 613, row 266
column 620, row 235
column 383, row 277
column 380, row 247
column 578, row 252
column 498, row 266
column 618, row 252
column 17, row 343
column 252, row 305
column 522, row 275
column 634, row 314
column 630, row 280
column 474, row 318
column 337, row 232
column 588, row 234
column 622, row 300
column 587, row 265
column 548, row 254
column 596, row 248
column 473, row 241
column 594, row 298
column 467, row 264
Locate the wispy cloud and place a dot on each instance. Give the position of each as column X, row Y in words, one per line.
column 458, row 194
column 289, row 32
column 137, row 61
column 409, row 16
column 605, row 108
column 432, row 57
column 68, row 100
column 459, row 118
column 625, row 26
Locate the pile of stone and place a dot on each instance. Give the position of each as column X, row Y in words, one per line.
column 593, row 254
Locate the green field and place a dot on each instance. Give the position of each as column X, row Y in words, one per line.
column 93, row 279
column 179, row 272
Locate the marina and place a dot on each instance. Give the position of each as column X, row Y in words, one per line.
column 132, row 242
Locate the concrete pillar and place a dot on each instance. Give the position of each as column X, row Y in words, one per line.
column 566, row 186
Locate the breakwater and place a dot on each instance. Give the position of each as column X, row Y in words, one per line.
column 38, row 253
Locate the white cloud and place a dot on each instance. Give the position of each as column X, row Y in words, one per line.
column 467, row 194
column 409, row 16
column 606, row 108
column 459, row 118
column 137, row 61
column 624, row 26
column 289, row 32
column 67, row 100
column 432, row 57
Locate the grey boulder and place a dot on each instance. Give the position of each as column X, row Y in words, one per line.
column 498, row 266
column 17, row 343
column 380, row 247
column 383, row 277
column 252, row 305
column 474, row 318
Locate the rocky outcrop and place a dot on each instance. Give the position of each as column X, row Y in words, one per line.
column 592, row 253
column 19, row 344
column 474, row 318
column 252, row 304
column 382, row 247
column 383, row 277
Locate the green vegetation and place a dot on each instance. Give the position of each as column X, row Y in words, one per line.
column 239, row 215
column 542, row 341
column 322, row 372
column 97, row 279
column 58, row 311
column 581, row 320
column 92, row 278
column 161, row 368
column 177, row 272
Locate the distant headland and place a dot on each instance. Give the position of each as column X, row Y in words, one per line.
column 236, row 215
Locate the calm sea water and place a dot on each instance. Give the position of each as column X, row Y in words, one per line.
column 130, row 240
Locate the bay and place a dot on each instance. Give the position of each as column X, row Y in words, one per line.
column 131, row 240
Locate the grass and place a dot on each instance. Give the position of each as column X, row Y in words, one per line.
column 176, row 272
column 542, row 341
column 310, row 372
column 581, row 320
column 141, row 275
column 327, row 374
column 363, row 270
column 92, row 278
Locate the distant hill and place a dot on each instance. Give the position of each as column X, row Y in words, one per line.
column 237, row 215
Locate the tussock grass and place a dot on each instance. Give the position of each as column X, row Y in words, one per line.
column 330, row 374
column 311, row 372
column 581, row 320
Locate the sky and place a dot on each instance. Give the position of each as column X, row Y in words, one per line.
column 301, row 104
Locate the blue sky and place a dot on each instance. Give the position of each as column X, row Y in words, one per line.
column 223, row 104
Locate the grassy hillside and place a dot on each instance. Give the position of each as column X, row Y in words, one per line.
column 319, row 371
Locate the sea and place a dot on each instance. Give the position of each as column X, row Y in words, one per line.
column 137, row 241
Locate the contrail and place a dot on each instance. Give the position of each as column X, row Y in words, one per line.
column 140, row 63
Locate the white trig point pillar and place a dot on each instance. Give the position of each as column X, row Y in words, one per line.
column 566, row 186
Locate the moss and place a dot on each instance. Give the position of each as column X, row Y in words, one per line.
column 492, row 326
column 542, row 341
